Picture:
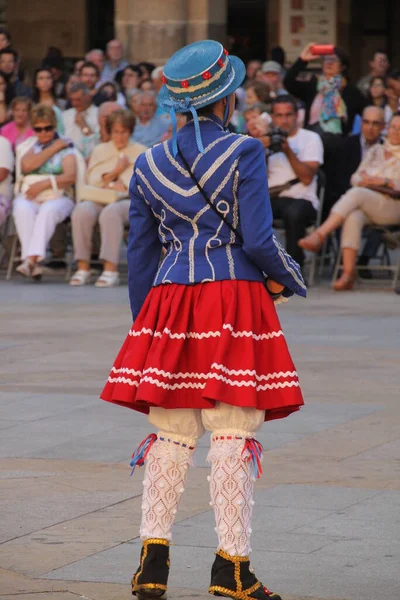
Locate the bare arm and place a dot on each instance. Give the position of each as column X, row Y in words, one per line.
column 305, row 171
column 3, row 174
column 31, row 161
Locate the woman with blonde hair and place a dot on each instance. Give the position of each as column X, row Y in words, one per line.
column 44, row 200
column 110, row 168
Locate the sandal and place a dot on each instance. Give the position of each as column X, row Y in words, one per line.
column 25, row 268
column 37, row 272
column 108, row 279
column 80, row 278
column 312, row 242
column 345, row 282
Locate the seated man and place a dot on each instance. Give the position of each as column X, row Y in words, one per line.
column 298, row 157
column 81, row 122
column 149, row 128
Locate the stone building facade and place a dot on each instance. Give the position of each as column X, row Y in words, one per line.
column 153, row 29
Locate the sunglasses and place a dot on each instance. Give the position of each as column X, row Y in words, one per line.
column 46, row 128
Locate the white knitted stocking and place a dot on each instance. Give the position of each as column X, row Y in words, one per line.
column 167, row 464
column 231, row 487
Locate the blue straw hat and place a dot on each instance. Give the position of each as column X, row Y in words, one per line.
column 195, row 76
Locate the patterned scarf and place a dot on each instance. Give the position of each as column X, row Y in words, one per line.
column 333, row 107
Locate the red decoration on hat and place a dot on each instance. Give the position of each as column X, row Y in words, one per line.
column 207, row 75
column 184, row 83
column 226, row 52
column 164, row 79
column 221, row 62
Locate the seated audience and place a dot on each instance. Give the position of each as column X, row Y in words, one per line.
column 109, row 92
column 252, row 68
column 331, row 102
column 106, row 109
column 44, row 200
column 78, row 66
column 271, row 74
column 9, row 68
column 110, row 167
column 6, row 95
column 6, row 172
column 96, row 57
column 146, row 69
column 368, row 201
column 90, row 76
column 392, row 93
column 294, row 163
column 130, row 81
column 376, row 92
column 379, row 66
column 19, row 128
column 116, row 61
column 44, row 93
column 5, row 38
column 146, row 86
column 257, row 91
column 80, row 122
column 55, row 63
column 134, row 103
column 149, row 128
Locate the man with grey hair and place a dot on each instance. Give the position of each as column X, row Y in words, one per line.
column 81, row 121
column 271, row 73
column 150, row 128
column 116, row 61
column 96, row 57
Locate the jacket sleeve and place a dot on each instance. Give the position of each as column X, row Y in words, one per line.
column 305, row 90
column 259, row 242
column 144, row 248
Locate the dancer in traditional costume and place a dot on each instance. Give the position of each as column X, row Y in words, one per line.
column 206, row 350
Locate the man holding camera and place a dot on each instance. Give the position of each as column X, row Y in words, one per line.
column 293, row 158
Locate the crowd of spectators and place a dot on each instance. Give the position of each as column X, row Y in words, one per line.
column 83, row 130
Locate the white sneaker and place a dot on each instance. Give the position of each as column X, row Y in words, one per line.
column 80, row 278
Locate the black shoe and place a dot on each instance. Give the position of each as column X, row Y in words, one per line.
column 150, row 580
column 231, row 577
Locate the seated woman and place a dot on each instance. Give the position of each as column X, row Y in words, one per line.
column 6, row 96
column 110, row 166
column 44, row 92
column 363, row 204
column 19, row 129
column 49, row 170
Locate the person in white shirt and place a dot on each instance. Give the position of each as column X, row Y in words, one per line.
column 6, row 170
column 81, row 122
column 298, row 158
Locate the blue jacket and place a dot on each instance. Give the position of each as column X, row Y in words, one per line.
column 167, row 210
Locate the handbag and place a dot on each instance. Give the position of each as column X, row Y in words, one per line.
column 49, row 194
column 100, row 195
column 275, row 190
column 273, row 295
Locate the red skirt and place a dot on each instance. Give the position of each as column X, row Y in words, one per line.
column 193, row 346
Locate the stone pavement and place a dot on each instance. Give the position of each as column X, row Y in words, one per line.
column 327, row 514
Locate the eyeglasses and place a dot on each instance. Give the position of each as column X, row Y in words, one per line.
column 46, row 128
column 373, row 123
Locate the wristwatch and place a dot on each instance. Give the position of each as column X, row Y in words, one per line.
column 85, row 130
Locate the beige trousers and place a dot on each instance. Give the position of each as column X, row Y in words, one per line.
column 361, row 206
column 112, row 219
column 187, row 425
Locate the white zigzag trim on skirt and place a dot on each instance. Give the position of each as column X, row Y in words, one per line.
column 253, row 373
column 201, row 386
column 123, row 380
column 206, row 334
column 209, row 375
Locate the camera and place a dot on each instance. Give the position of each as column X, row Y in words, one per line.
column 277, row 136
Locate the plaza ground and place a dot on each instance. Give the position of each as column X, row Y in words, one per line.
column 327, row 513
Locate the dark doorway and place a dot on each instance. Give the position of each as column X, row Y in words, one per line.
column 247, row 28
column 100, row 19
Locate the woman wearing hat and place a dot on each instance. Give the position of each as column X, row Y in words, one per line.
column 206, row 350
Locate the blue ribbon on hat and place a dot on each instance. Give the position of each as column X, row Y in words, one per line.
column 186, row 105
